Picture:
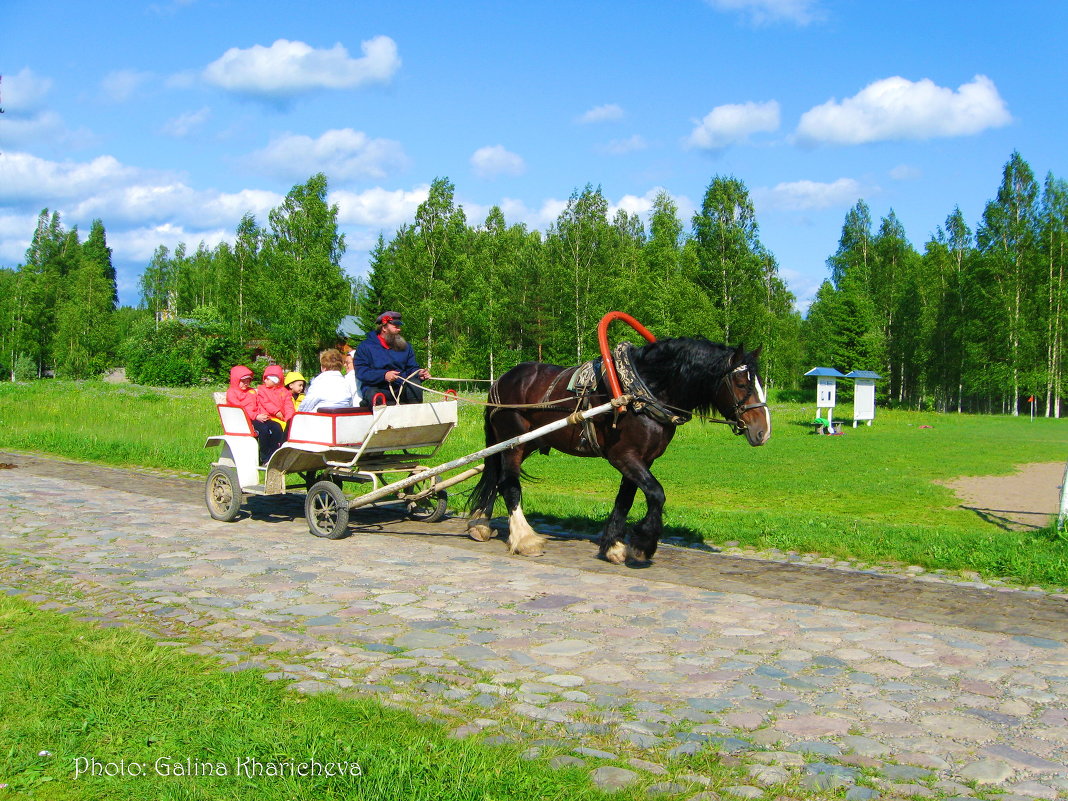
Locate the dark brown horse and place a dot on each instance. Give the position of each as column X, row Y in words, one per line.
column 681, row 376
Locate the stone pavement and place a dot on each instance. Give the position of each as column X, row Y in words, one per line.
column 623, row 671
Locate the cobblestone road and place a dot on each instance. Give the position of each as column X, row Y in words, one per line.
column 880, row 685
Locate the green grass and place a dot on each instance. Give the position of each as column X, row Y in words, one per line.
column 109, row 696
column 114, row 424
column 871, row 494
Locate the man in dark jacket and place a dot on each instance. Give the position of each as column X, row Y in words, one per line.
column 383, row 359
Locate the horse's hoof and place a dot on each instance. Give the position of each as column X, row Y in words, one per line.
column 480, row 532
column 616, row 554
column 531, row 546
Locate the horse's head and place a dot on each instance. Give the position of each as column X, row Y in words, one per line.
column 741, row 397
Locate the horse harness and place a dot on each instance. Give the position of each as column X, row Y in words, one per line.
column 587, row 381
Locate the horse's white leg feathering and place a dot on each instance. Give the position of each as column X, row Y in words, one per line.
column 522, row 539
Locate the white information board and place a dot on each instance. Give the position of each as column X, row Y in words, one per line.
column 864, row 399
column 825, row 392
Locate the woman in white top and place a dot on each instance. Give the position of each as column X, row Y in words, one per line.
column 330, row 388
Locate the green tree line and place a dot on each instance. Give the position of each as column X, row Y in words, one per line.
column 976, row 322
column 57, row 309
column 973, row 323
column 480, row 298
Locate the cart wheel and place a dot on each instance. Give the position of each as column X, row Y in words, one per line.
column 430, row 509
column 222, row 493
column 327, row 510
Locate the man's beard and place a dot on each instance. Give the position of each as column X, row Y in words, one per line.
column 395, row 340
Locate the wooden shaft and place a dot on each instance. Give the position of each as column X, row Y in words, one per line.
column 415, row 478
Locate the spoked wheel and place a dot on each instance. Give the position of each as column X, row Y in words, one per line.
column 222, row 493
column 430, row 509
column 327, row 510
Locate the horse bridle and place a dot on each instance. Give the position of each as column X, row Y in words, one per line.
column 738, row 425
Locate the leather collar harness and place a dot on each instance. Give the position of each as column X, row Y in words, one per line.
column 644, row 401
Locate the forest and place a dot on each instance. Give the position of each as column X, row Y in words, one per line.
column 973, row 322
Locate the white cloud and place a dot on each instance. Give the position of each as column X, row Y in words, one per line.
column 110, row 190
column 26, row 121
column 763, row 12
column 379, row 208
column 343, row 154
column 633, row 204
column 906, row 172
column 642, row 205
column 185, row 124
column 15, row 233
column 290, row 68
column 138, row 244
column 34, row 130
column 24, row 91
column 807, row 195
column 121, row 85
column 620, row 147
column 606, row 113
column 516, row 211
column 491, row 161
column 733, row 123
column 31, row 179
column 220, row 208
column 896, row 108
column 177, row 202
column 542, row 217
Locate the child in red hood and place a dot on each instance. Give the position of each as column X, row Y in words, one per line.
column 268, row 433
column 241, row 393
column 275, row 399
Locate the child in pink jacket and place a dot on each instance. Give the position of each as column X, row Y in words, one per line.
column 268, row 433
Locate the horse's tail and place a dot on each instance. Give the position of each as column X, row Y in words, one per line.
column 484, row 493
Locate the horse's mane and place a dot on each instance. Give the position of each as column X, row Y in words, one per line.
column 686, row 371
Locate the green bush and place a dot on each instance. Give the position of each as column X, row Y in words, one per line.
column 25, row 368
column 81, row 363
column 180, row 353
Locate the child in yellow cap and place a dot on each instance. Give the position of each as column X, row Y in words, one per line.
column 295, row 383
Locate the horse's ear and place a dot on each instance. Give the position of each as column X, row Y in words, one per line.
column 738, row 356
column 756, row 353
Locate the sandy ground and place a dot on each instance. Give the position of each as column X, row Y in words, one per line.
column 1026, row 499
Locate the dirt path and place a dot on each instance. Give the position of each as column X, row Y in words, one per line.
column 1026, row 499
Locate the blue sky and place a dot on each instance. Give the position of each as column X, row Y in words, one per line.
column 169, row 119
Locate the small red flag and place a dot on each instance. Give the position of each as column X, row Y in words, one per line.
column 1031, row 399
